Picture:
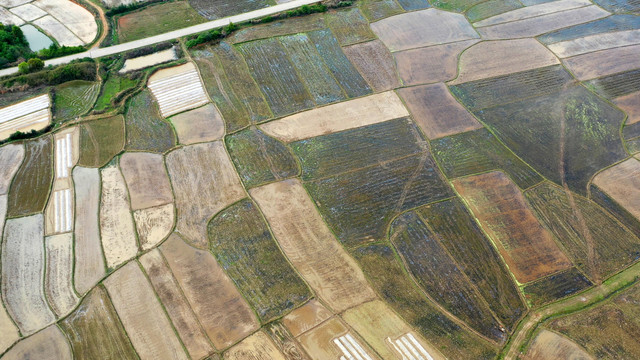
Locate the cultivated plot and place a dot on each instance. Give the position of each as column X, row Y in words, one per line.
column 333, row 340
column 219, row 8
column 604, row 62
column 204, row 182
column 349, row 26
column 199, row 125
column 32, row 114
column 154, row 224
column 310, row 246
column 621, row 182
column 146, row 179
column 306, row 317
column 379, row 9
column 423, row 28
column 375, row 63
column 436, row 111
column 241, row 242
column 23, row 268
column 142, row 315
column 101, row 140
column 170, row 294
column 630, row 104
column 89, row 260
column 337, row 117
column 75, row 98
column 32, row 182
column 223, row 313
column 177, row 89
column 146, row 129
column 610, row 23
column 591, row 43
column 550, row 345
column 257, row 346
column 74, row 17
column 117, row 230
column 95, row 331
column 59, row 273
column 555, row 287
column 528, row 248
column 11, row 156
column 142, row 62
column 48, row 343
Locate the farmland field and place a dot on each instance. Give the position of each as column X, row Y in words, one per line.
column 157, row 19
column 550, row 345
column 75, row 98
column 375, row 63
column 349, row 26
column 242, row 244
column 199, row 125
column 146, row 130
column 101, row 140
column 556, row 286
column 219, row 9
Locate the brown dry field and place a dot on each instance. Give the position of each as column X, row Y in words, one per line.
column 337, row 117
column 376, row 322
column 117, row 230
column 319, row 342
column 94, row 330
column 224, row 314
column 436, row 111
column 430, row 64
column 154, row 224
column 306, row 317
column 49, row 343
column 630, row 104
column 256, row 347
column 23, row 266
column 604, row 62
column 549, row 345
column 539, row 9
column 376, row 64
column 89, row 261
column 146, row 179
column 199, row 125
column 622, row 183
column 59, row 274
column 141, row 314
column 423, row 28
column 310, row 246
column 180, row 313
column 596, row 42
column 11, row 157
column 494, row 58
column 528, row 248
column 542, row 24
column 204, row 182
column 8, row 330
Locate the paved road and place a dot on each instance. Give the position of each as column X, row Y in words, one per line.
column 111, row 50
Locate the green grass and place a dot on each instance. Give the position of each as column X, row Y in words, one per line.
column 29, row 190
column 146, row 129
column 241, row 242
column 111, row 87
column 157, row 19
column 75, row 98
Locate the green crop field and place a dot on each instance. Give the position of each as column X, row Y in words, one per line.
column 146, row 129
column 75, row 98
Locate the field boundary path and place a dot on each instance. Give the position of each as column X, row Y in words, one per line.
column 214, row 24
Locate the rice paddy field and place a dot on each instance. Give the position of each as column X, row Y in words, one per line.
column 381, row 179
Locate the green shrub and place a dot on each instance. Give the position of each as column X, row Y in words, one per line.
column 23, row 68
column 13, row 45
column 56, row 51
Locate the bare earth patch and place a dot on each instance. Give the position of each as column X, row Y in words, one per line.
column 147, row 179
column 199, row 125
column 622, row 183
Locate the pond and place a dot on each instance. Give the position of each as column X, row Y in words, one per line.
column 37, row 40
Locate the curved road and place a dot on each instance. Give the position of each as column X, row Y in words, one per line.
column 111, row 50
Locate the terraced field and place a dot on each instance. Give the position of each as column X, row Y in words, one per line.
column 380, row 179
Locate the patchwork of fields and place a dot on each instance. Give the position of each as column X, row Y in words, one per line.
column 390, row 179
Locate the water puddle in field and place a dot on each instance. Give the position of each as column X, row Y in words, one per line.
column 37, row 40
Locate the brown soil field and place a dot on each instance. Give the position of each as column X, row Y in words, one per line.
column 199, row 125
column 494, row 58
column 142, row 315
column 596, row 42
column 89, row 260
column 319, row 342
column 542, row 24
column 430, row 64
column 8, row 330
column 180, row 313
column 622, row 183
column 256, row 347
column 29, row 191
column 306, row 317
column 604, row 62
column 377, row 324
column 630, row 104
column 154, row 224
column 49, row 343
column 224, row 314
column 11, row 157
column 94, row 330
column 23, row 266
column 146, row 178
column 375, row 63
column 3, row 211
column 528, row 248
column 437, row 112
column 59, row 274
column 204, row 182
column 423, row 28
column 338, row 117
column 117, row 230
column 549, row 345
column 310, row 246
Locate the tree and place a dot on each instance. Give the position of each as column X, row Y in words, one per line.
column 35, row 64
